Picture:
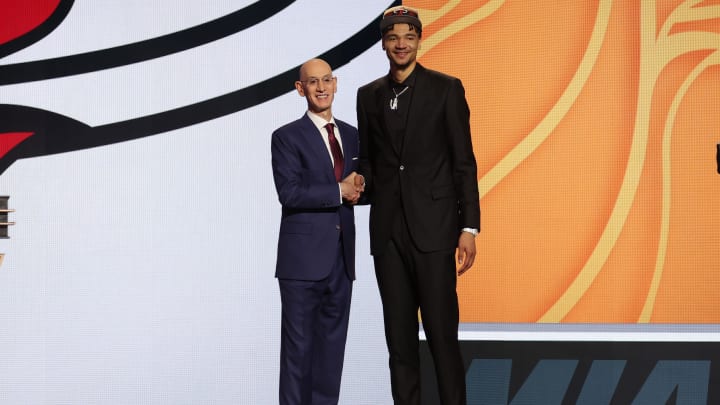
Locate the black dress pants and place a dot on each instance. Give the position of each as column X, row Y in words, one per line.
column 409, row 280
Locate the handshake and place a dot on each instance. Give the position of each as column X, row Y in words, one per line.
column 351, row 187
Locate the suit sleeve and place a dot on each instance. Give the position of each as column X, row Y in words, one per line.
column 364, row 166
column 457, row 115
column 298, row 185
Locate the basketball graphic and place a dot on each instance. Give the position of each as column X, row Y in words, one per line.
column 593, row 126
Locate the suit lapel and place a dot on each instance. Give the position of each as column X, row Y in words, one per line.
column 343, row 140
column 317, row 145
column 414, row 117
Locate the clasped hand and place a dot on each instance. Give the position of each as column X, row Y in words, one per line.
column 351, row 187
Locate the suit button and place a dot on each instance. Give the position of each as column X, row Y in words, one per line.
column 337, row 227
column 402, row 167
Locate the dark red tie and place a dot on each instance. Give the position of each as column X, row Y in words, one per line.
column 336, row 152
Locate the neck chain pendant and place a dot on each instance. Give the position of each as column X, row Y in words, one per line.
column 394, row 101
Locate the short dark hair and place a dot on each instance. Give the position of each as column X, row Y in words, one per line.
column 411, row 26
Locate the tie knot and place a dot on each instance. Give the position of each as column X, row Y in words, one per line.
column 329, row 126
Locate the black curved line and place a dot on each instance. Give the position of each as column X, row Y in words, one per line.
column 235, row 101
column 75, row 135
column 143, row 50
column 41, row 31
column 51, row 132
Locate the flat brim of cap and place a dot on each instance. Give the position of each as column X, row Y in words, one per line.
column 399, row 19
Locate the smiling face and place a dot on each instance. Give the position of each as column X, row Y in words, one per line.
column 401, row 43
column 318, row 86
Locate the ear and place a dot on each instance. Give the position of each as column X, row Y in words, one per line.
column 299, row 88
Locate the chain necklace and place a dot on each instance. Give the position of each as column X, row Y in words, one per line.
column 394, row 101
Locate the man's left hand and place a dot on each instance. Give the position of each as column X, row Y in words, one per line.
column 465, row 252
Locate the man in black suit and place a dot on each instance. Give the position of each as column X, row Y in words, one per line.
column 420, row 174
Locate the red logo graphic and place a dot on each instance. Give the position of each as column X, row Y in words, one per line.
column 18, row 17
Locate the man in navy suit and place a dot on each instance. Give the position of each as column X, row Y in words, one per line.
column 314, row 160
column 417, row 157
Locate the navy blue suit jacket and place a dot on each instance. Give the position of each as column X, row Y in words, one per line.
column 313, row 218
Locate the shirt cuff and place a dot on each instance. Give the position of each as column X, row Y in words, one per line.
column 473, row 231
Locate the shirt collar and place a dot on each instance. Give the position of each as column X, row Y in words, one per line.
column 320, row 121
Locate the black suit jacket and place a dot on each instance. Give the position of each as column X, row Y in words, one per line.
column 430, row 177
